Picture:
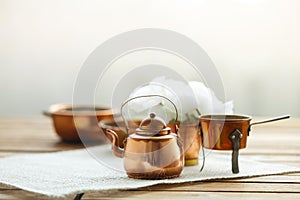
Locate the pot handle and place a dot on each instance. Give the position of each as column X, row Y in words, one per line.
column 235, row 138
column 270, row 120
column 117, row 151
column 145, row 96
column 47, row 113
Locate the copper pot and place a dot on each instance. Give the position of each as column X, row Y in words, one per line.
column 190, row 134
column 153, row 151
column 228, row 132
column 70, row 120
column 216, row 130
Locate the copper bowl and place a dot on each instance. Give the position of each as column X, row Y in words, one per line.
column 70, row 120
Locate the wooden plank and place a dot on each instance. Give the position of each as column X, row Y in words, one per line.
column 232, row 190
column 32, row 146
column 233, row 187
column 163, row 195
column 23, row 195
column 290, row 178
column 6, row 187
column 34, row 134
column 175, row 195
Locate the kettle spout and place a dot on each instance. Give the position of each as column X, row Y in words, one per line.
column 116, row 149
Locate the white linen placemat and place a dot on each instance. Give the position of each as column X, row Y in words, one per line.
column 69, row 172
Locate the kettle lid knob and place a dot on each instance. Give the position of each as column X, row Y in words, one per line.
column 153, row 125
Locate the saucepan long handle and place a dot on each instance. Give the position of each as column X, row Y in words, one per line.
column 270, row 120
column 47, row 113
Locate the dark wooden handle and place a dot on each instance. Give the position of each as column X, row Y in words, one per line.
column 235, row 138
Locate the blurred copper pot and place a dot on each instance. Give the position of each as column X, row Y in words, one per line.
column 70, row 120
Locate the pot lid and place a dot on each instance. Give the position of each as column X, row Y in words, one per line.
column 153, row 126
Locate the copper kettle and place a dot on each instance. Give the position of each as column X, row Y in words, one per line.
column 153, row 151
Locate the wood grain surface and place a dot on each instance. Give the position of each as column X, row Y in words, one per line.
column 277, row 143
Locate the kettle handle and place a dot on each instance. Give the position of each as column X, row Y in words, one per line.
column 145, row 96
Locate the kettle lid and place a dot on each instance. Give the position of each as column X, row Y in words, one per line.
column 154, row 126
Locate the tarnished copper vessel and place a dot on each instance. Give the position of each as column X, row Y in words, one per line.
column 153, row 151
column 68, row 120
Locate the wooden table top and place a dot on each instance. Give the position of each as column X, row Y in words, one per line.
column 277, row 143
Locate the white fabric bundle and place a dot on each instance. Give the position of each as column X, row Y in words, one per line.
column 187, row 96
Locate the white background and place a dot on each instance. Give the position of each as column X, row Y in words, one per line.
column 254, row 44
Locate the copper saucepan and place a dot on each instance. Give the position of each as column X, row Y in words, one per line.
column 228, row 132
column 70, row 120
